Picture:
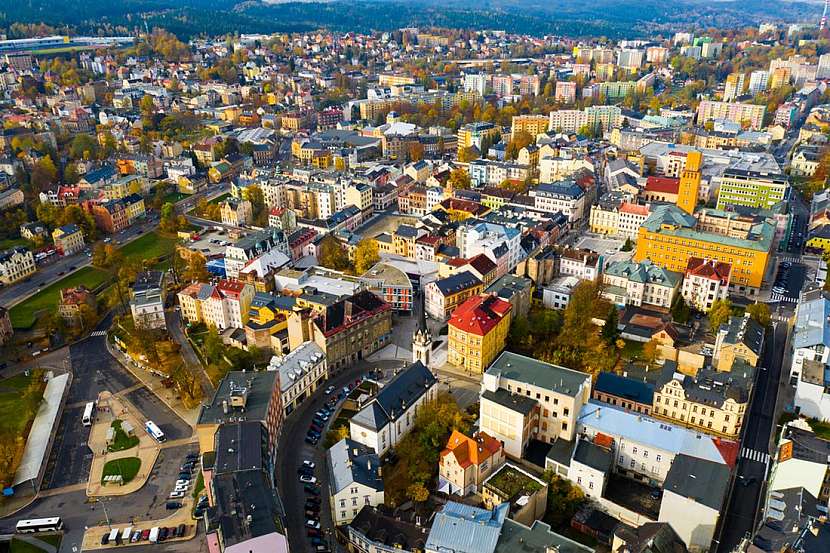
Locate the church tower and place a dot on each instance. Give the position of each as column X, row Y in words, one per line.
column 422, row 338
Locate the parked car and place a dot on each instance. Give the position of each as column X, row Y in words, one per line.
column 176, row 494
column 163, row 532
column 329, row 390
column 313, row 490
column 182, row 529
column 313, row 524
column 105, row 539
column 145, row 534
column 317, row 541
column 304, row 470
column 311, row 532
column 183, row 482
column 136, row 536
column 173, row 505
column 309, row 464
column 308, row 479
column 310, row 440
column 312, row 514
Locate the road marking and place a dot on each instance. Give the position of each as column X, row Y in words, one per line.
column 754, row 455
column 775, row 296
column 98, row 333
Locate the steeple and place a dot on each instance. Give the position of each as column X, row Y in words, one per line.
column 422, row 337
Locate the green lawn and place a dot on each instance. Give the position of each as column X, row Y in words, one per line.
column 221, row 198
column 150, row 245
column 632, row 350
column 20, row 546
column 20, row 398
column 126, row 467
column 199, row 486
column 8, row 243
column 23, row 314
column 122, row 441
column 174, row 197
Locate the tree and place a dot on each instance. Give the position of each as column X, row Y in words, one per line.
column 719, row 313
column 564, row 499
column 417, row 492
column 365, row 255
column 459, row 179
column 332, row 255
column 650, row 352
column 196, row 268
column 609, row 329
column 760, row 313
column 680, row 312
column 83, row 146
column 168, row 221
column 258, row 211
column 212, row 346
column 628, row 246
column 44, row 174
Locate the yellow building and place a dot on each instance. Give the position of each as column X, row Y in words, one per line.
column 679, row 398
column 670, row 236
column 741, row 339
column 689, row 188
column 532, row 124
column 472, row 134
column 68, row 239
column 478, row 332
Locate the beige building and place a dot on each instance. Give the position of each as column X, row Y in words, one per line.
column 16, row 264
column 741, row 338
column 466, row 462
column 68, row 239
column 236, row 212
column 712, row 402
column 523, row 398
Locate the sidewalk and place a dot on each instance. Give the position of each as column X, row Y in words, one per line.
column 93, row 534
column 154, row 384
column 111, row 408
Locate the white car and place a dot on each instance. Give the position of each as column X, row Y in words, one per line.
column 176, row 494
column 308, row 479
column 309, row 464
column 329, row 390
column 180, row 488
column 182, row 483
column 312, row 524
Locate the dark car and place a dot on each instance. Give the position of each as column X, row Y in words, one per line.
column 310, row 532
column 163, row 533
column 310, row 440
column 315, row 428
column 172, row 505
column 105, row 539
column 317, row 541
column 314, row 515
column 193, row 456
column 182, row 529
column 305, row 470
column 313, row 490
column 312, row 506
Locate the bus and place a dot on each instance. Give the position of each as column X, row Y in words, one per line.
column 89, row 410
column 51, row 524
column 154, row 431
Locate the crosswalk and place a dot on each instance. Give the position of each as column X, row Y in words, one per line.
column 99, row 333
column 775, row 297
column 790, row 258
column 754, row 455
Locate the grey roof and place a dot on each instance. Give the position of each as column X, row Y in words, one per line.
column 460, row 528
column 240, row 446
column 808, row 446
column 515, row 402
column 744, row 330
column 538, row 373
column 382, row 528
column 594, row 456
column 350, row 462
column 811, row 328
column 651, row 537
column 258, row 387
column 790, row 516
column 457, row 282
column 702, row 481
column 395, row 397
column 539, row 538
column 509, row 285
column 246, row 506
column 627, row 388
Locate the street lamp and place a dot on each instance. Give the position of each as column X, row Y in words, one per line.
column 106, row 515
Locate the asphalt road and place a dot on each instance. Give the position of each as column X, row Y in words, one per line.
column 49, row 273
column 293, row 450
column 751, row 473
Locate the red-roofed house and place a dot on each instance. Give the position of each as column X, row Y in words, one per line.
column 478, row 332
column 661, row 189
column 467, row 462
column 705, row 281
column 631, row 218
column 237, row 296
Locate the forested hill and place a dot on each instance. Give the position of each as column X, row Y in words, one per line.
column 187, row 18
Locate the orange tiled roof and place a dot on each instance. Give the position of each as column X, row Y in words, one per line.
column 471, row 451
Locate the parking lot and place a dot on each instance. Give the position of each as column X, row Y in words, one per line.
column 210, row 242
column 789, row 279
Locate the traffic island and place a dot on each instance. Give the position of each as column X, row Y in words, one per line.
column 123, row 453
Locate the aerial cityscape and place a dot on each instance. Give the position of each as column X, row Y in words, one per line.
column 406, row 276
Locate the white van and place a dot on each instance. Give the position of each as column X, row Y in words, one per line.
column 154, row 534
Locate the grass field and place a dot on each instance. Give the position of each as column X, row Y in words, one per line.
column 221, row 198
column 122, row 441
column 20, row 398
column 126, row 467
column 174, row 197
column 8, row 243
column 150, row 245
column 24, row 314
column 19, row 546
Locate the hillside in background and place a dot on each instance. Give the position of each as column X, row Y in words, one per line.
column 612, row 18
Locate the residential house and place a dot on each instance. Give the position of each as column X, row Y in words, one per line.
column 739, row 338
column 633, row 283
column 16, row 264
column 302, row 371
column 621, row 391
column 147, row 298
column 478, row 332
column 466, row 462
column 68, row 239
column 355, row 480
column 72, row 304
column 704, row 282
column 236, row 212
column 526, row 494
column 524, row 399
column 442, row 296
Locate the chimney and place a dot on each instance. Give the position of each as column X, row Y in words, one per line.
column 225, row 406
column 369, row 465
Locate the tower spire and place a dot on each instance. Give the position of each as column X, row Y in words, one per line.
column 422, row 337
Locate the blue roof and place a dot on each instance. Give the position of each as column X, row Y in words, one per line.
column 395, row 397
column 460, row 528
column 561, row 188
column 628, row 388
column 636, row 427
column 457, row 282
column 351, row 462
column 811, row 328
column 102, row 173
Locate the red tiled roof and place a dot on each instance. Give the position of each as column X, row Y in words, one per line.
column 662, row 184
column 471, row 451
column 480, row 314
column 636, row 209
column 231, row 288
column 708, row 268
